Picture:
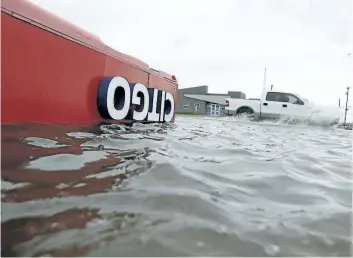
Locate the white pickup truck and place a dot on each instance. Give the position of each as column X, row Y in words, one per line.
column 277, row 104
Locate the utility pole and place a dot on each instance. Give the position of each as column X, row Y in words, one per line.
column 345, row 113
column 264, row 80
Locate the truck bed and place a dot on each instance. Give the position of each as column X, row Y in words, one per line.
column 235, row 104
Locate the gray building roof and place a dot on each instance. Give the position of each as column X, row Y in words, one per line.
column 218, row 99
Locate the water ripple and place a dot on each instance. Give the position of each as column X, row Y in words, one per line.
column 201, row 186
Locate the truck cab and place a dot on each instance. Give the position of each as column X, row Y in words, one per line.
column 280, row 103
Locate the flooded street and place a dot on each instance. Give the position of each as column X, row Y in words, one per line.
column 202, row 186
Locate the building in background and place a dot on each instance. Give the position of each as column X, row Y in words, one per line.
column 197, row 100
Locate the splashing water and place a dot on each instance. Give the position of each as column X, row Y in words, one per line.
column 323, row 116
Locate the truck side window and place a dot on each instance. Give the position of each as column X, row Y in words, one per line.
column 294, row 99
column 283, row 97
column 274, row 96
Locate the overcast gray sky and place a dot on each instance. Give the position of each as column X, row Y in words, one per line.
column 226, row 44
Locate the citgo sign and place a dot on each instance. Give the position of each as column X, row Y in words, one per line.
column 118, row 100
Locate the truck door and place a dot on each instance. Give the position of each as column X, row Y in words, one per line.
column 274, row 105
column 296, row 107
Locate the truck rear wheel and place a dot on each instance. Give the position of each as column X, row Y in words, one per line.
column 245, row 111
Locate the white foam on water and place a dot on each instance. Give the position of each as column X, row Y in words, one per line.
column 322, row 116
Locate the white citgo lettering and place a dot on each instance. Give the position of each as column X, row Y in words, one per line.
column 114, row 84
column 161, row 115
column 140, row 115
column 154, row 116
column 168, row 117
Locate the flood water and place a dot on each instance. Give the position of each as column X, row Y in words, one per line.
column 202, row 186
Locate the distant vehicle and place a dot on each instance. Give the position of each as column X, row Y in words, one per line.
column 279, row 104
